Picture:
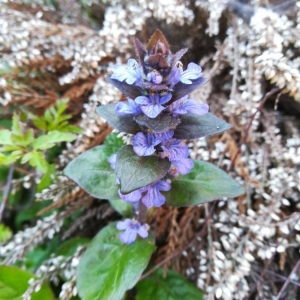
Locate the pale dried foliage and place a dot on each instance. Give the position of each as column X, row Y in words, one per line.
column 233, row 248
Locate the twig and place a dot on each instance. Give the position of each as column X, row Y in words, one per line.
column 266, row 267
column 288, row 280
column 283, row 278
column 6, row 190
column 252, row 117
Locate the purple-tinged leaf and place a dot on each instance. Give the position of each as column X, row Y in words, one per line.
column 140, row 50
column 135, row 172
column 155, row 87
column 161, row 123
column 193, row 126
column 157, row 61
column 155, row 38
column 180, row 89
column 177, row 56
column 131, row 91
column 122, row 123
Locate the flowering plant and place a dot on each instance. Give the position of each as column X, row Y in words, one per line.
column 155, row 168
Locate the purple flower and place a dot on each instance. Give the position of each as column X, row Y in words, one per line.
column 128, row 108
column 165, row 136
column 174, row 150
column 132, row 229
column 175, row 73
column 182, row 166
column 184, row 105
column 134, row 196
column 112, row 160
column 193, row 71
column 152, row 105
column 133, row 73
column 144, row 144
column 155, row 77
column 153, row 197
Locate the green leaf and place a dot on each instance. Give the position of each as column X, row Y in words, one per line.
column 113, row 139
column 11, row 158
column 122, row 123
column 69, row 247
column 172, row 287
column 37, row 160
column 39, row 122
column 70, row 128
column 9, row 148
column 29, row 212
column 28, row 137
column 6, row 123
column 47, row 179
column 39, row 254
column 109, row 268
column 122, row 207
column 204, row 183
column 5, row 233
column 50, row 139
column 135, row 171
column 16, row 128
column 5, row 137
column 194, row 126
column 92, row 172
column 25, row 139
column 14, row 283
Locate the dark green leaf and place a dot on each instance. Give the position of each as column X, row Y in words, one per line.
column 69, row 247
column 161, row 123
column 14, row 283
column 6, row 123
column 135, row 171
column 121, row 123
column 204, row 183
column 172, row 287
column 194, row 126
column 29, row 212
column 39, row 254
column 91, row 171
column 122, row 207
column 108, row 268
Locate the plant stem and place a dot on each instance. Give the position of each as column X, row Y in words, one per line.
column 142, row 216
column 288, row 280
column 6, row 190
